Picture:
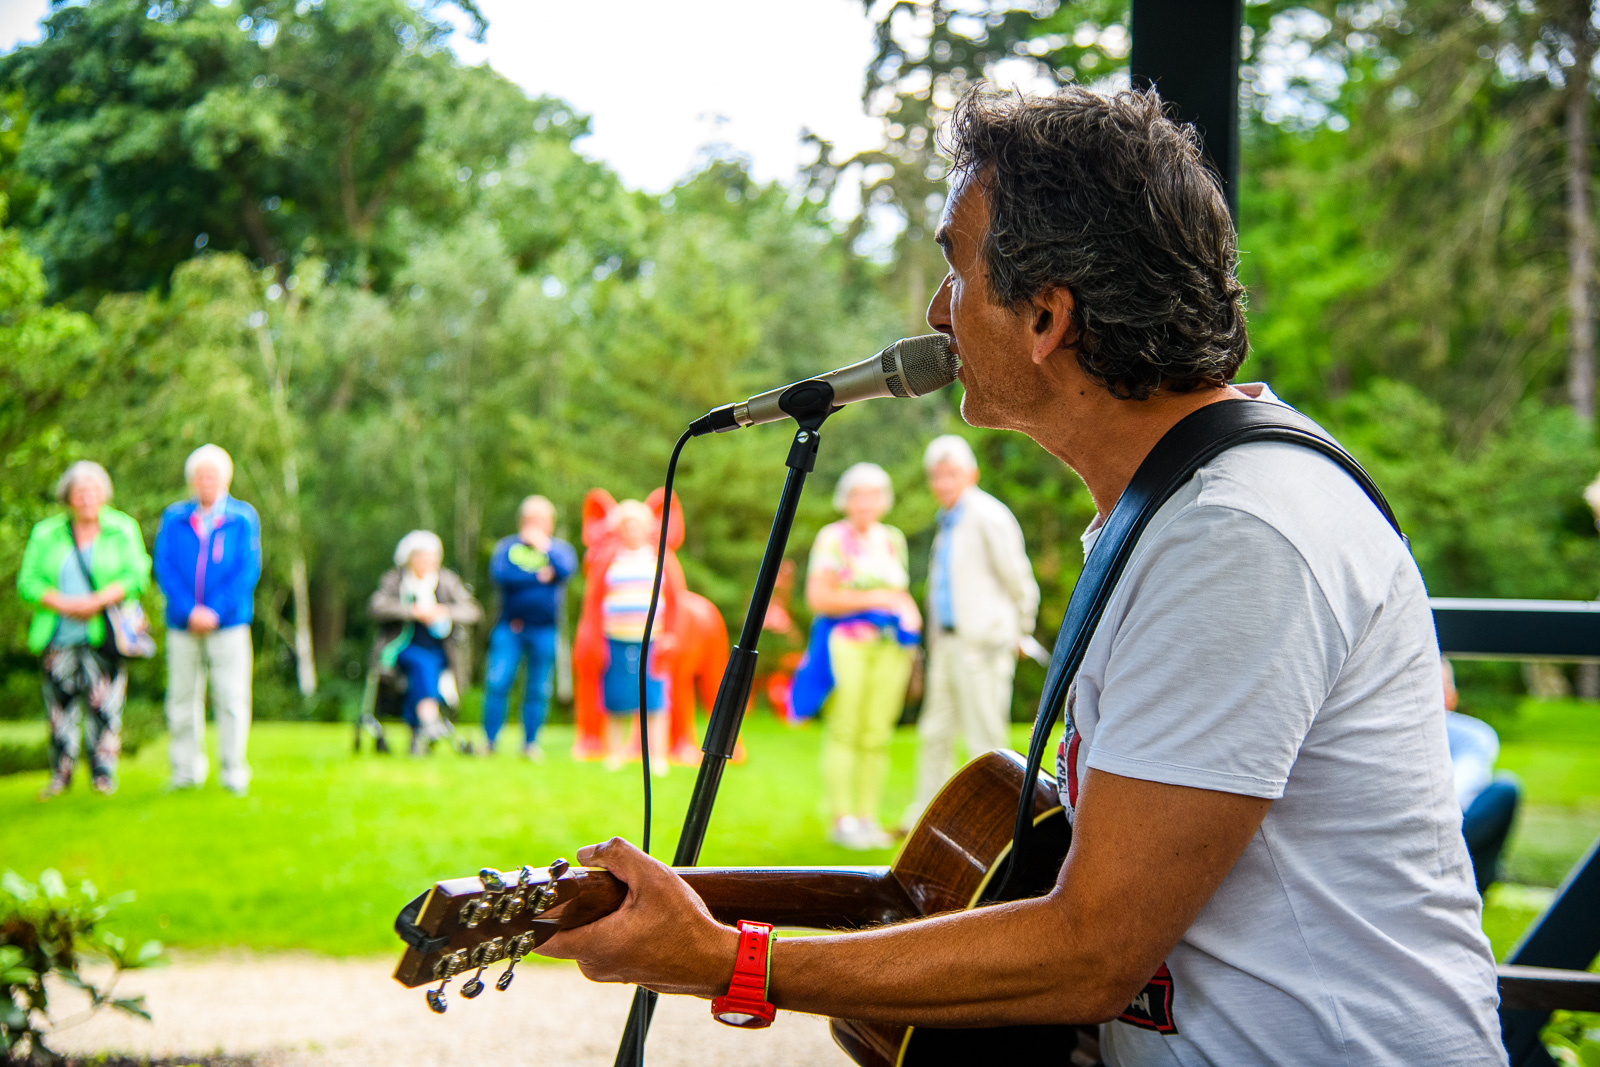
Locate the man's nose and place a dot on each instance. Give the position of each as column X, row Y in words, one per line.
column 939, row 307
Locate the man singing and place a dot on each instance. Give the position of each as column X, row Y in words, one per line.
column 1256, row 765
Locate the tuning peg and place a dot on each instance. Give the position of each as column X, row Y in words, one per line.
column 493, row 881
column 558, row 868
column 473, row 986
column 436, row 999
column 504, row 980
column 526, row 876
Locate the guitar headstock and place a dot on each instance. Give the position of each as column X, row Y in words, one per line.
column 472, row 923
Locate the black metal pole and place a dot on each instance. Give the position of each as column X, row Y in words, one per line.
column 1189, row 50
column 727, row 713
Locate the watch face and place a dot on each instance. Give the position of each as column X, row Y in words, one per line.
column 736, row 1018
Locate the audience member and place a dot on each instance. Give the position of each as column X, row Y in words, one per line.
column 982, row 600
column 531, row 569
column 423, row 611
column 77, row 563
column 625, row 603
column 1488, row 800
column 207, row 563
column 857, row 583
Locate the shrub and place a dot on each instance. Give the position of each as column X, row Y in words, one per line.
column 47, row 930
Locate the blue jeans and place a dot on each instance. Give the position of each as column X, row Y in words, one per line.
column 422, row 666
column 1486, row 824
column 506, row 649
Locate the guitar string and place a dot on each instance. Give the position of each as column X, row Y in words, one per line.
column 649, row 623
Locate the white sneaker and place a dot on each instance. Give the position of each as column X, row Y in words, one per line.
column 845, row 831
column 871, row 835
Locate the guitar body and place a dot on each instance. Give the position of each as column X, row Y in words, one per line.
column 947, row 864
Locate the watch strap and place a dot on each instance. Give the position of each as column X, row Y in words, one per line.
column 745, row 1003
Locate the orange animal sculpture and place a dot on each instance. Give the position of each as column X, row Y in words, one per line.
column 689, row 648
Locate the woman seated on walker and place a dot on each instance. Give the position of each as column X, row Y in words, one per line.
column 423, row 611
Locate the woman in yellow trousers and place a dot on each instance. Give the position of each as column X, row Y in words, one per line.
column 858, row 579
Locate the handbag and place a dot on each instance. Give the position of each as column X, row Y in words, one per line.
column 127, row 627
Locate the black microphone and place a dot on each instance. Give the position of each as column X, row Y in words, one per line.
column 912, row 366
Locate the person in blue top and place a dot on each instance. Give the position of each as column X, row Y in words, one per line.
column 1488, row 799
column 207, row 563
column 531, row 569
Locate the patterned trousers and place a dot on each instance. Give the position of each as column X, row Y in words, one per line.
column 78, row 679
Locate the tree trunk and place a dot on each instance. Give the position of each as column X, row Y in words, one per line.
column 305, row 662
column 1580, row 220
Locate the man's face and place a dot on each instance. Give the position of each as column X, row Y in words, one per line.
column 537, row 520
column 207, row 483
column 994, row 344
column 948, row 481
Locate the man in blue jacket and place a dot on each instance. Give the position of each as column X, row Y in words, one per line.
column 207, row 563
column 531, row 570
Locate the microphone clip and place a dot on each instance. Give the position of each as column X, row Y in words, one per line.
column 802, row 401
column 809, row 403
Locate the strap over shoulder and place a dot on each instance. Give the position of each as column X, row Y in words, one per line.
column 1195, row 441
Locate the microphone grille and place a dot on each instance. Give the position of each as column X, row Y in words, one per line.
column 927, row 363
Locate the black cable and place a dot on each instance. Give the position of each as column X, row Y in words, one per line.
column 644, row 645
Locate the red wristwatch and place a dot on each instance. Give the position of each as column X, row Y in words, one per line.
column 745, row 1004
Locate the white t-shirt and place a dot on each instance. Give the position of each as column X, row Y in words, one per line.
column 1271, row 637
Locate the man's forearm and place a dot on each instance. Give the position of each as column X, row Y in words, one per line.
column 1008, row 964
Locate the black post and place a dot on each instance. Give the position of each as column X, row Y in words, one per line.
column 722, row 728
column 1189, row 50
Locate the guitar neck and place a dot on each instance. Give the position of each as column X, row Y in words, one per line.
column 823, row 898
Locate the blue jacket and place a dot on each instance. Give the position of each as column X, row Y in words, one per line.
column 515, row 568
column 219, row 571
column 813, row 679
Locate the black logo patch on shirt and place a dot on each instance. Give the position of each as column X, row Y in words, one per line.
column 1152, row 1008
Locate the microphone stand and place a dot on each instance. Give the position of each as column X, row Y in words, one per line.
column 810, row 407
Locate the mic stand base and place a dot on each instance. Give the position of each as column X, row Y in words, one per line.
column 733, row 695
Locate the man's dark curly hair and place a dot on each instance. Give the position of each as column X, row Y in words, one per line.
column 1108, row 198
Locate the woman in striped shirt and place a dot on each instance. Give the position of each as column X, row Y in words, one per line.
column 626, row 602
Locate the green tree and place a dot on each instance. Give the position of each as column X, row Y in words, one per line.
column 273, row 129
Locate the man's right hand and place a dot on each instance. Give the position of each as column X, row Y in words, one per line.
column 202, row 620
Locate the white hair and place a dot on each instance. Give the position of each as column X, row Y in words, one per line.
column 863, row 476
column 83, row 469
column 215, row 455
column 535, row 503
column 414, row 540
column 949, row 449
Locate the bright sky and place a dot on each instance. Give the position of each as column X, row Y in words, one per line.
column 662, row 80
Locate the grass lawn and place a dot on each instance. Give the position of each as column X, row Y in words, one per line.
column 327, row 846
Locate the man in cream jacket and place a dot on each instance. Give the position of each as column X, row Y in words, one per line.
column 982, row 602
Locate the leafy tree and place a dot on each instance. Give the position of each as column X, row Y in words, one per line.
column 272, row 129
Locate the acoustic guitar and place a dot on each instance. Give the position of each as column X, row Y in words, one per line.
column 948, row 863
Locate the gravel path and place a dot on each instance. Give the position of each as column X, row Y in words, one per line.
column 299, row 1010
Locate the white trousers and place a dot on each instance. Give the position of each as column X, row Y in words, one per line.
column 225, row 656
column 967, row 695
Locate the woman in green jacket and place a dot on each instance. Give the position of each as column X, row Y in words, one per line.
column 76, row 564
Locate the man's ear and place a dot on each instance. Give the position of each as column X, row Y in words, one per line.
column 1053, row 327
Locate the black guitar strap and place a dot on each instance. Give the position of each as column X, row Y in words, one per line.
column 1199, row 438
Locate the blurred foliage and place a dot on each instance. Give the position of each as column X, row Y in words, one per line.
column 461, row 309
column 48, row 931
